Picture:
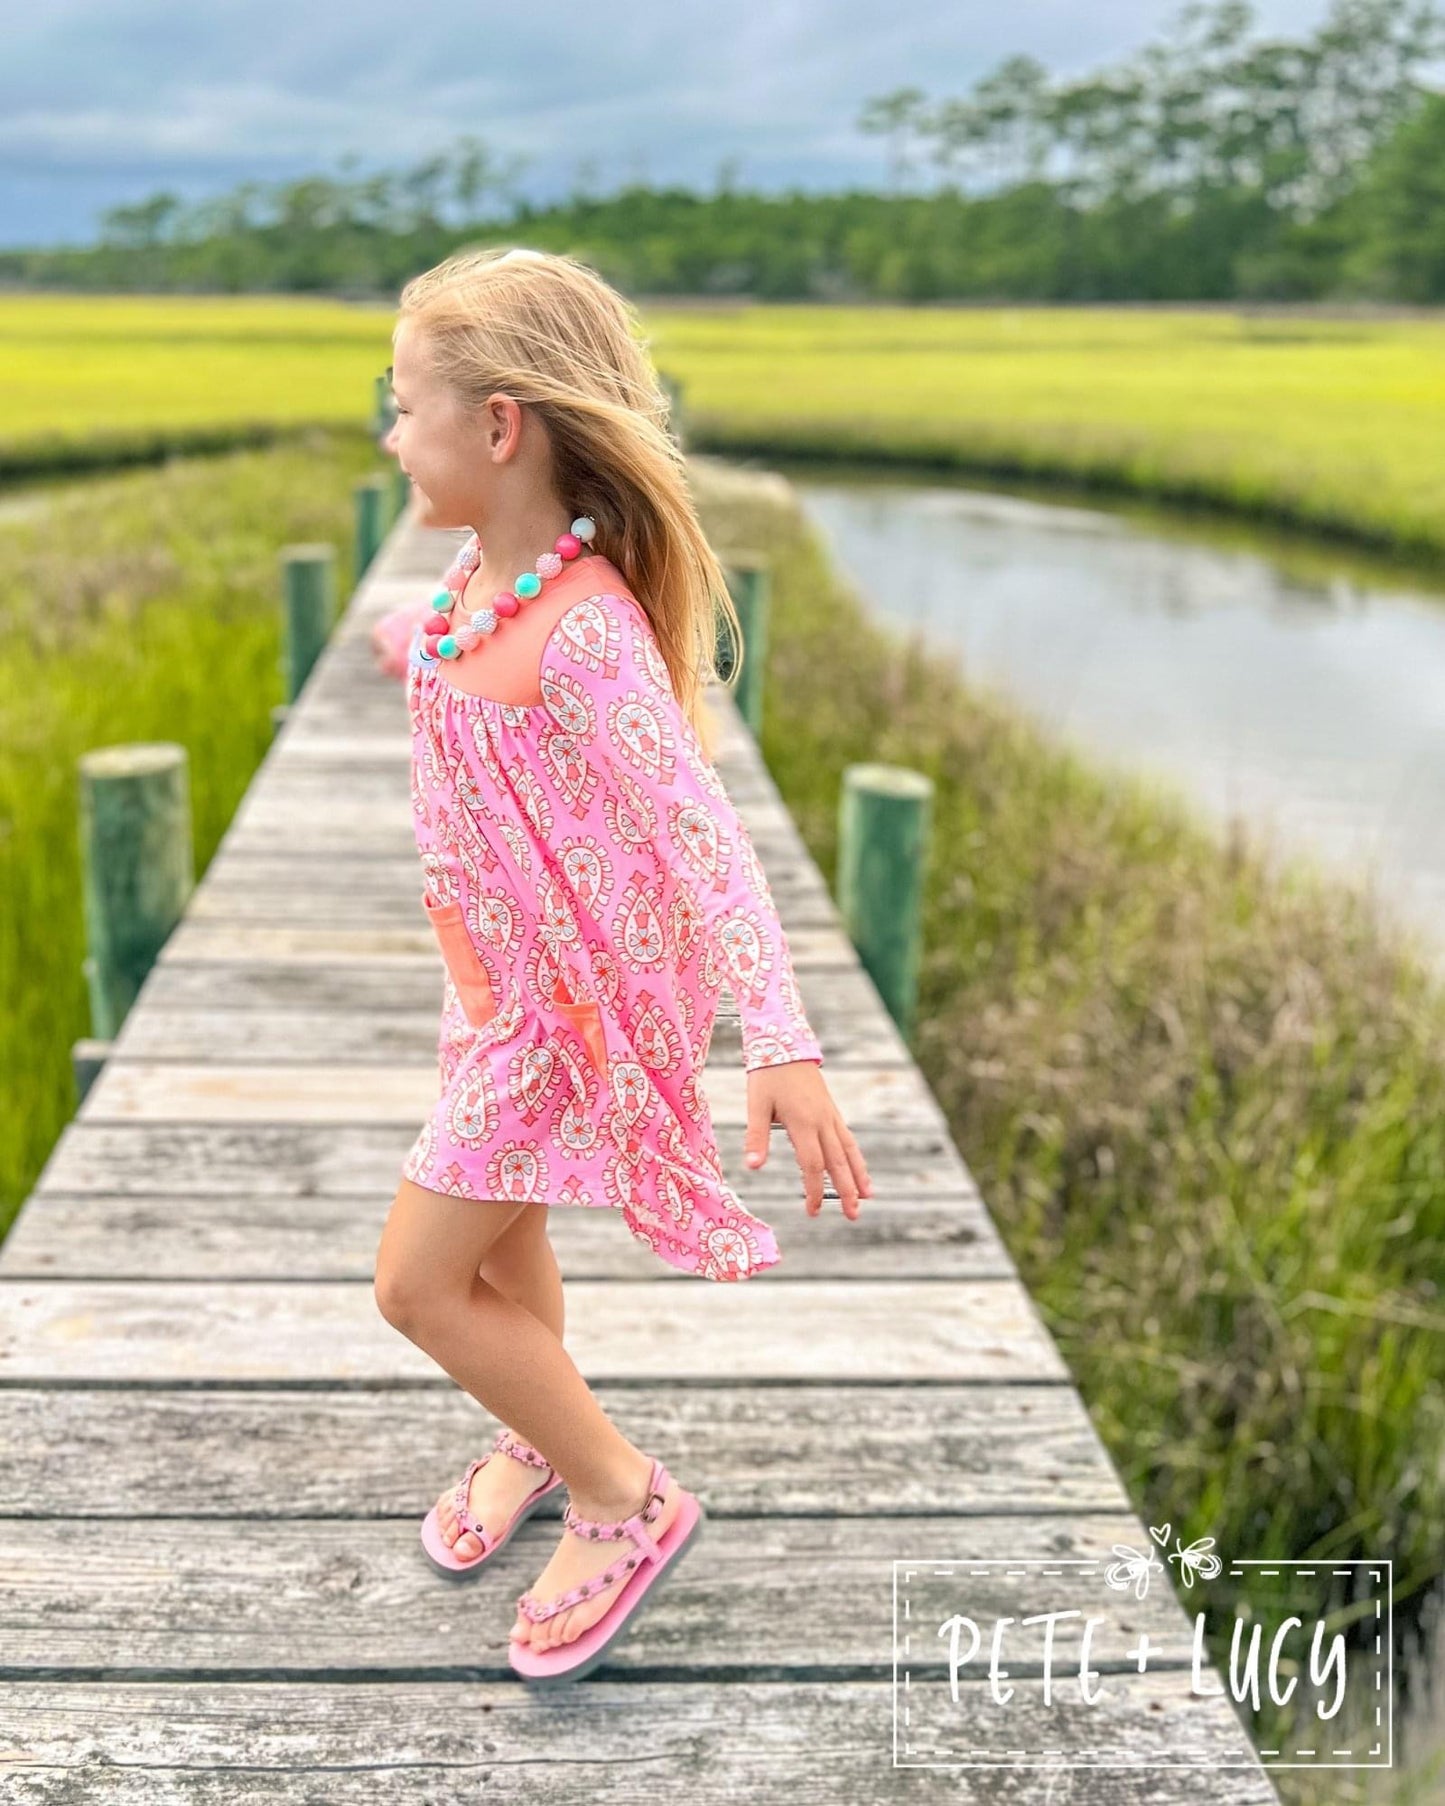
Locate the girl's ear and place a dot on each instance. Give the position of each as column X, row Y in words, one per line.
column 504, row 423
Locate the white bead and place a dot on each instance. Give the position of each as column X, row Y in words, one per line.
column 583, row 528
column 549, row 564
column 484, row 621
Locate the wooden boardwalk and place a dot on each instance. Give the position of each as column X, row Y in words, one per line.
column 217, row 1452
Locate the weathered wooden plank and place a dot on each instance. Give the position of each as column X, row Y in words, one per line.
column 757, row 1597
column 293, row 1160
column 812, row 1742
column 346, row 997
column 812, row 948
column 853, row 1450
column 164, row 1091
column 351, row 791
column 264, row 1236
column 394, row 1035
column 337, row 1037
column 237, row 906
column 766, row 1328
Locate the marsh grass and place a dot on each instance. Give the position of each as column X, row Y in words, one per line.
column 1201, row 1087
column 1331, row 422
column 144, row 606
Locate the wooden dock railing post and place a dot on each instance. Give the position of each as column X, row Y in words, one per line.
column 370, row 495
column 135, row 842
column 884, row 814
column 308, row 583
column 750, row 586
column 400, row 493
column 676, row 396
column 383, row 407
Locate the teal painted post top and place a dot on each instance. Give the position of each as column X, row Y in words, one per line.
column 371, row 511
column 884, row 817
column 135, row 843
column 308, row 581
column 750, row 586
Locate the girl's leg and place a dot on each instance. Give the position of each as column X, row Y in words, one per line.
column 428, row 1286
column 521, row 1265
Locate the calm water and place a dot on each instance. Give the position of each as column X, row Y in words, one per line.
column 1301, row 690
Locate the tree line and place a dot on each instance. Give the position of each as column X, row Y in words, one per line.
column 1211, row 165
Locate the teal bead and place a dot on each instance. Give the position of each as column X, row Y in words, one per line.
column 447, row 646
column 442, row 601
column 528, row 584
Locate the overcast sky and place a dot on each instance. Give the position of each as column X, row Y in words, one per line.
column 104, row 102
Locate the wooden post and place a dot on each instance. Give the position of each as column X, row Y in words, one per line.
column 370, row 496
column 884, row 814
column 750, row 586
column 135, row 841
column 673, row 388
column 383, row 408
column 309, row 587
column 400, row 493
column 87, row 1057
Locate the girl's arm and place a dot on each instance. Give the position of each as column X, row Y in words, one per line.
column 606, row 685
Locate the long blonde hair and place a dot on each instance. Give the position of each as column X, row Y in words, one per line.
column 544, row 328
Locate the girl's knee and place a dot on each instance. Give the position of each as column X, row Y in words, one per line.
column 399, row 1294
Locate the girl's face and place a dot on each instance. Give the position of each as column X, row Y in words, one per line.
column 447, row 450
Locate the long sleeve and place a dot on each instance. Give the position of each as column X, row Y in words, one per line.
column 605, row 683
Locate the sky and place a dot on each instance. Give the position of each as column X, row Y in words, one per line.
column 105, row 102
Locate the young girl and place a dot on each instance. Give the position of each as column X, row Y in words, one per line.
column 591, row 888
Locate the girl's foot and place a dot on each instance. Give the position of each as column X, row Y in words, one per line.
column 495, row 1493
column 577, row 1558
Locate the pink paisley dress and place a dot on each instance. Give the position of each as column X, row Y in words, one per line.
column 592, row 888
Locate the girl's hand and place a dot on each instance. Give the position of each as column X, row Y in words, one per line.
column 797, row 1096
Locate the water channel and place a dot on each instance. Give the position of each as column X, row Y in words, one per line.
column 1295, row 684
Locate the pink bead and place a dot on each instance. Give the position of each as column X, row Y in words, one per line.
column 437, row 623
column 548, row 564
column 467, row 637
column 567, row 545
column 506, row 603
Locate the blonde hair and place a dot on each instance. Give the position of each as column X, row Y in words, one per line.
column 547, row 330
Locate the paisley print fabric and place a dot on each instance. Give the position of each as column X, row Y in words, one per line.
column 592, row 889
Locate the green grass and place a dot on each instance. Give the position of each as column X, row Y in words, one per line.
column 1336, row 423
column 1204, row 1105
column 111, row 379
column 141, row 607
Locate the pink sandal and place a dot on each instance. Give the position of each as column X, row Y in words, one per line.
column 650, row 1559
column 440, row 1553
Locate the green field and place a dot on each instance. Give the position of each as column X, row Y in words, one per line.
column 1337, row 423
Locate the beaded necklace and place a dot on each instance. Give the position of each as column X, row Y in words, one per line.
column 440, row 640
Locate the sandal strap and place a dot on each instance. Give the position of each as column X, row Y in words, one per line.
column 521, row 1451
column 636, row 1527
column 459, row 1503
column 505, row 1443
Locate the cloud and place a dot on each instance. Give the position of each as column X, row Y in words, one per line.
column 102, row 104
